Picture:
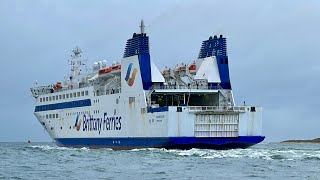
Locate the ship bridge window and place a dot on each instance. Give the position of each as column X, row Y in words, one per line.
column 78, row 94
column 63, row 96
column 60, row 97
column 53, row 116
column 47, row 98
column 74, row 94
column 82, row 93
column 67, row 96
column 53, row 98
column 40, row 99
column 56, row 97
column 56, row 115
column 47, row 116
column 70, row 95
column 50, row 116
column 50, row 98
column 87, row 93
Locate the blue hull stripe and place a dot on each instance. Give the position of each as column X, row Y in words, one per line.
column 162, row 142
column 64, row 105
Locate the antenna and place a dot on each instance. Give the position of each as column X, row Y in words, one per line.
column 142, row 27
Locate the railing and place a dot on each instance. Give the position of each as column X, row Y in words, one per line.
column 197, row 109
column 186, row 87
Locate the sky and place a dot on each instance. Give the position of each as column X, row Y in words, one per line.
column 273, row 49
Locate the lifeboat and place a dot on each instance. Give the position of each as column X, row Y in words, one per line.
column 192, row 68
column 116, row 69
column 104, row 71
column 110, row 71
column 57, row 86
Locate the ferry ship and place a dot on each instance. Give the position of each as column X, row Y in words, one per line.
column 132, row 104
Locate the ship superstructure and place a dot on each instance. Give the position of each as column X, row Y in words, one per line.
column 132, row 104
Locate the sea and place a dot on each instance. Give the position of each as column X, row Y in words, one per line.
column 262, row 161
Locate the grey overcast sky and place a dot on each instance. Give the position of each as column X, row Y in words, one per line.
column 273, row 49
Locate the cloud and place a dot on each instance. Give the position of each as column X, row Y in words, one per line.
column 272, row 45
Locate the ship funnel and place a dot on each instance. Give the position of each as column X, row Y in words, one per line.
column 138, row 45
column 217, row 47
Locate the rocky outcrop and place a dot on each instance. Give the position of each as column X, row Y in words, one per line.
column 317, row 140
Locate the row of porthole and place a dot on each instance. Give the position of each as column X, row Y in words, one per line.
column 64, row 96
column 77, row 113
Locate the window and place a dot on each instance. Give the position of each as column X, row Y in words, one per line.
column 50, row 116
column 40, row 99
column 56, row 97
column 56, row 115
column 60, row 97
column 47, row 99
column 53, row 98
column 53, row 115
column 82, row 93
column 78, row 94
column 131, row 99
column 50, row 98
column 87, row 93
column 63, row 96
column 70, row 95
column 67, row 96
column 74, row 94
column 117, row 101
column 47, row 116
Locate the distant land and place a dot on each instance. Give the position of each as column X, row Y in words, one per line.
column 317, row 140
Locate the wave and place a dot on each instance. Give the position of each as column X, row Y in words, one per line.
column 55, row 147
column 266, row 154
column 251, row 153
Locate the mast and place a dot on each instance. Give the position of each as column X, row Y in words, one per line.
column 76, row 64
column 142, row 27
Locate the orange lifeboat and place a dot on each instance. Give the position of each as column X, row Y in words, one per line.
column 104, row 71
column 115, row 69
column 57, row 86
column 192, row 67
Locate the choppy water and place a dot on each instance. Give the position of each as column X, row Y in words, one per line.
column 263, row 161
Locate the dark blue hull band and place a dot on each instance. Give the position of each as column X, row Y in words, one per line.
column 161, row 142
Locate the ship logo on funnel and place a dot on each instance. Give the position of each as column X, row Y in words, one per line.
column 130, row 80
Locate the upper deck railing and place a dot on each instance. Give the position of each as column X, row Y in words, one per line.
column 208, row 109
column 199, row 86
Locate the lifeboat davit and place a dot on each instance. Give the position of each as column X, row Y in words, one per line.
column 180, row 70
column 165, row 72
